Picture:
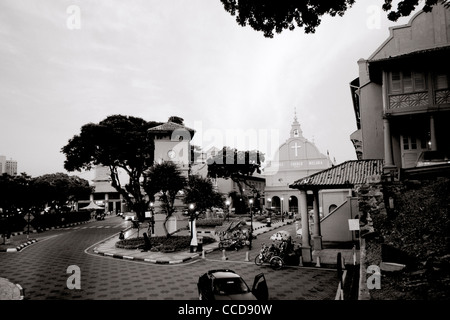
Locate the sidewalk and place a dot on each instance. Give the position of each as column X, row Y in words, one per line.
column 107, row 248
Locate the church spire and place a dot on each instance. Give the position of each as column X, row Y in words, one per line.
column 296, row 131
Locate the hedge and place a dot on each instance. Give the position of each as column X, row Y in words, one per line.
column 162, row 244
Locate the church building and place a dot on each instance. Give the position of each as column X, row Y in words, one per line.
column 296, row 158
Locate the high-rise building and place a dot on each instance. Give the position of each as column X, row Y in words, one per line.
column 8, row 166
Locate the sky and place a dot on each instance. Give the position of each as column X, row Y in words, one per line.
column 64, row 64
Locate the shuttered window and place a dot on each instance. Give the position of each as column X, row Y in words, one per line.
column 407, row 82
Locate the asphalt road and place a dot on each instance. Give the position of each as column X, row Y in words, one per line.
column 44, row 268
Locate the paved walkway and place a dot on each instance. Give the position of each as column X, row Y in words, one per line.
column 321, row 258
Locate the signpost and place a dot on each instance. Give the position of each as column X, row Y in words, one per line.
column 28, row 217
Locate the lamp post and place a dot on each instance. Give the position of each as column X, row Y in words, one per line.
column 152, row 218
column 282, row 212
column 193, row 236
column 251, row 224
column 228, row 209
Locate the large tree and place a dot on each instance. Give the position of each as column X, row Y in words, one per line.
column 200, row 191
column 163, row 182
column 120, row 143
column 268, row 16
column 239, row 166
column 15, row 193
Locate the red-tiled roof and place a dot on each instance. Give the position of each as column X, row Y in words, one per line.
column 169, row 127
column 346, row 174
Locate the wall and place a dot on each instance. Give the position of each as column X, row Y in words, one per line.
column 335, row 226
column 333, row 196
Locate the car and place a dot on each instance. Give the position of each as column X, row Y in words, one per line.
column 225, row 284
column 433, row 157
column 129, row 216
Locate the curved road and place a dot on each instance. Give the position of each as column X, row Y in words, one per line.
column 42, row 270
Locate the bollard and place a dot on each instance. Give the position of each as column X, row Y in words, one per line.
column 318, row 262
column 246, row 257
column 301, row 262
column 224, row 257
column 354, row 255
column 203, row 254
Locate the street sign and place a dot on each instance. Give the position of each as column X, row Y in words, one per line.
column 353, row 224
column 29, row 217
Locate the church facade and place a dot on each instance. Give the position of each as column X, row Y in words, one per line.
column 296, row 158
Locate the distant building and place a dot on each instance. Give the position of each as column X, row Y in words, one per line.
column 402, row 95
column 8, row 166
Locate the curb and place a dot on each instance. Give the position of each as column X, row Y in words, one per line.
column 194, row 256
column 18, row 286
column 47, row 229
column 20, row 247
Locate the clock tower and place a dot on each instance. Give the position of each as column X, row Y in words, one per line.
column 172, row 143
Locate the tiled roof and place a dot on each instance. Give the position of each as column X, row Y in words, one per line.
column 169, row 127
column 346, row 174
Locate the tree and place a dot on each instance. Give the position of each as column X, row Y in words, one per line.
column 268, row 16
column 59, row 189
column 119, row 143
column 15, row 192
column 236, row 165
column 200, row 191
column 164, row 181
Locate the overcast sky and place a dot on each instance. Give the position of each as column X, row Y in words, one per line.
column 156, row 59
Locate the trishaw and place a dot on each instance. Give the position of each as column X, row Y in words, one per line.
column 231, row 236
column 280, row 253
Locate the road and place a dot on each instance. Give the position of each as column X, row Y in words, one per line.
column 42, row 270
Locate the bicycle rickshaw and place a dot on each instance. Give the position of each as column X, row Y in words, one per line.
column 231, row 235
column 280, row 253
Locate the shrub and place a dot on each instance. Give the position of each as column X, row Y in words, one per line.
column 209, row 222
column 162, row 244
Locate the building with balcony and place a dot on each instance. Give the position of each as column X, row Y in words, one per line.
column 402, row 95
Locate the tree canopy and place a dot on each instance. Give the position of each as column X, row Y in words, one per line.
column 120, row 143
column 200, row 191
column 230, row 163
column 270, row 16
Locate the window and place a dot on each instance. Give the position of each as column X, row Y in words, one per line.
column 441, row 81
column 406, row 82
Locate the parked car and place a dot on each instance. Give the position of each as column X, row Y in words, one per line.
column 432, row 157
column 129, row 216
column 225, row 284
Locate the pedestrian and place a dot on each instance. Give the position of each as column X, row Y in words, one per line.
column 121, row 235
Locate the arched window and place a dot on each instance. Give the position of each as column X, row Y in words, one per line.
column 331, row 208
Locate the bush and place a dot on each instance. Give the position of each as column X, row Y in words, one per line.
column 209, row 222
column 162, row 244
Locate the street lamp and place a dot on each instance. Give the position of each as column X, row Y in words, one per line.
column 152, row 218
column 193, row 237
column 282, row 212
column 228, row 209
column 251, row 224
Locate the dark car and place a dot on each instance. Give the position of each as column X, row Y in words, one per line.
column 225, row 284
column 432, row 157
